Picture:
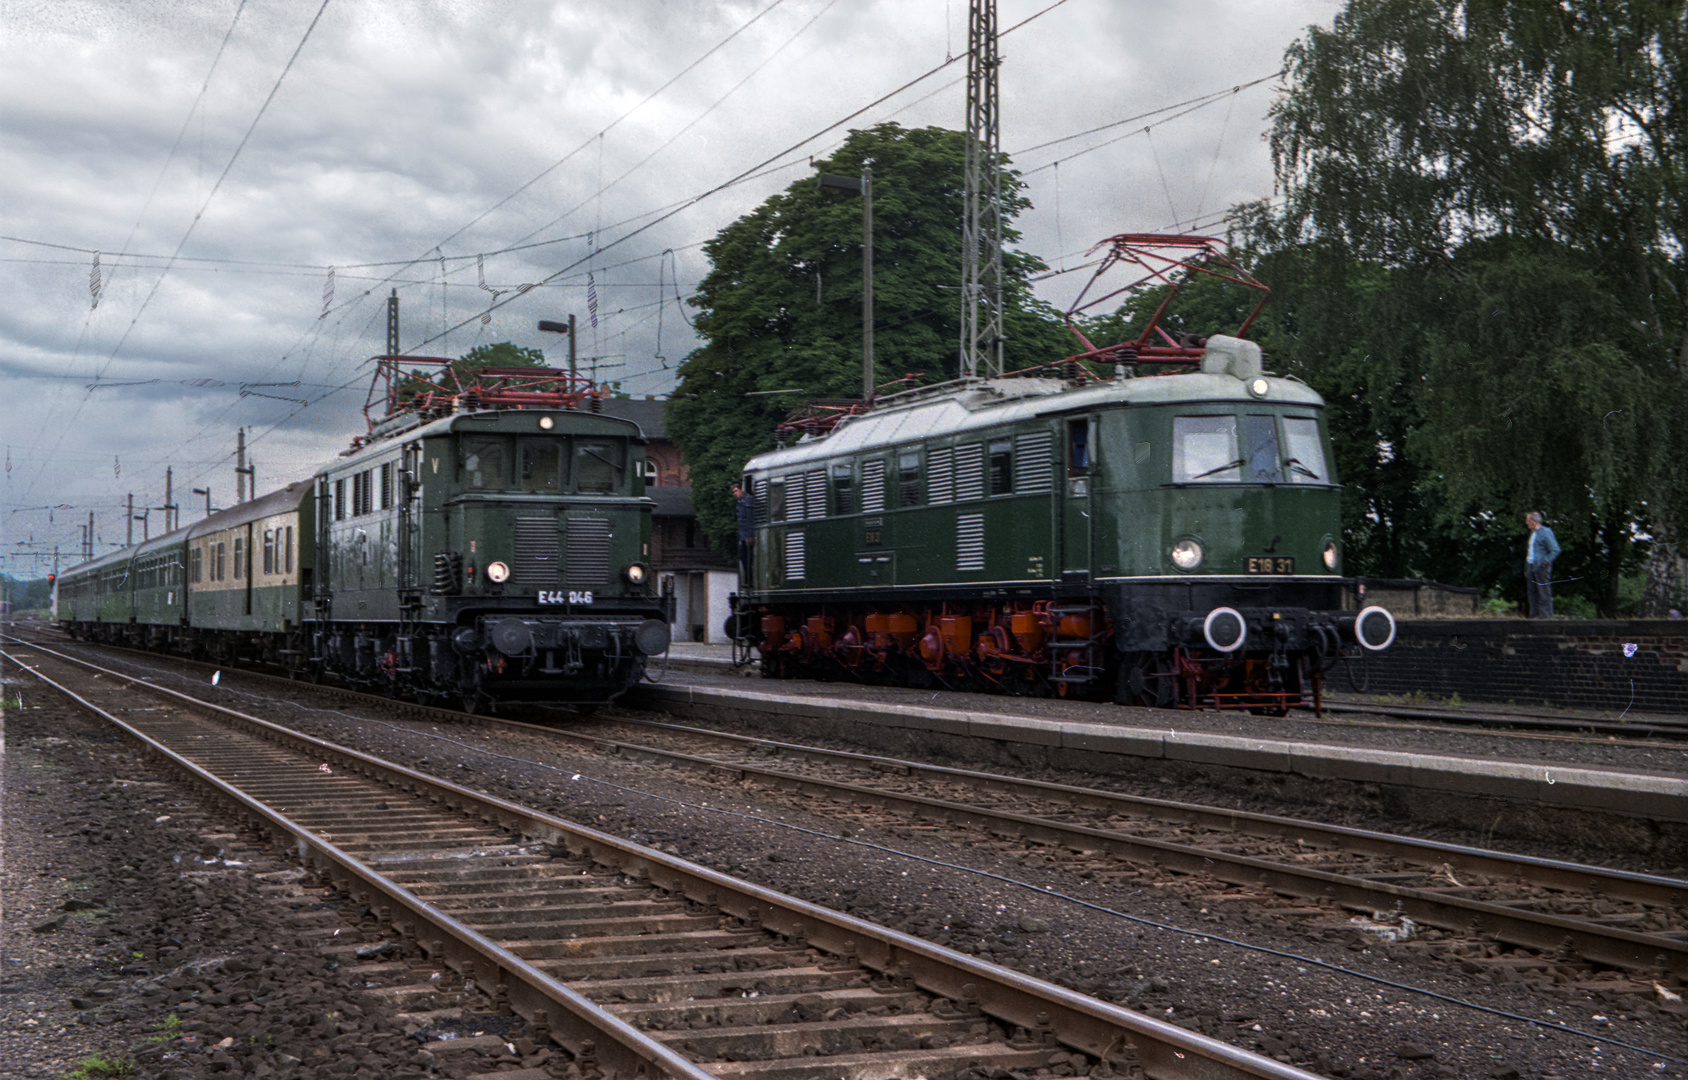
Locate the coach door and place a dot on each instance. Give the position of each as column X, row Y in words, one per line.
column 1075, row 513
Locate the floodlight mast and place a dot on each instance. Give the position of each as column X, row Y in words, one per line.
column 981, row 235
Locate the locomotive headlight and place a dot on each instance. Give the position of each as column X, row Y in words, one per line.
column 1259, row 387
column 546, row 423
column 636, row 573
column 1329, row 554
column 497, row 572
column 1186, row 554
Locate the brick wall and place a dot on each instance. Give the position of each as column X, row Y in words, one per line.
column 1572, row 664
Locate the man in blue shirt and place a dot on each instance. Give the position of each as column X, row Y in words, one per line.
column 1538, row 567
column 746, row 532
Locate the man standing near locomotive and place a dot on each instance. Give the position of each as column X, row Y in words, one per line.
column 746, row 532
column 1538, row 566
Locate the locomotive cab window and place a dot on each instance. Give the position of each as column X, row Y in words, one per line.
column 482, row 462
column 1264, row 461
column 598, row 465
column 1204, row 449
column 544, row 464
column 1304, row 453
column 776, row 500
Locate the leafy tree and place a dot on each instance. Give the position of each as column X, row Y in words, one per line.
column 1483, row 249
column 780, row 311
column 26, row 595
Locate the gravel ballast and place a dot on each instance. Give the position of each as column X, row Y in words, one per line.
column 1158, row 948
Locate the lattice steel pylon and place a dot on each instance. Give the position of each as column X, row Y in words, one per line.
column 981, row 235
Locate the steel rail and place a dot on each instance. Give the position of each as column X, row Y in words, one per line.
column 533, row 993
column 1609, row 945
column 1569, row 725
column 1083, row 1023
column 1626, row 885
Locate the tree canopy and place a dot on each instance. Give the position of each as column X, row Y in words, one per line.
column 780, row 312
column 1479, row 260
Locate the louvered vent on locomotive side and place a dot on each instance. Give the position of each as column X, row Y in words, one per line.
column 814, row 495
column 873, row 486
column 1037, row 473
column 969, row 472
column 969, row 541
column 794, row 556
column 535, row 555
column 940, row 475
column 588, row 551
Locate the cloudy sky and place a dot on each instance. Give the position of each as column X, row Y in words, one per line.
column 221, row 156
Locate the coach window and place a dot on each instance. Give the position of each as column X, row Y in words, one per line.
column 843, row 490
column 908, row 478
column 288, row 548
column 196, row 563
column 1002, row 467
column 1304, row 452
column 1204, row 449
column 222, row 555
column 269, row 551
column 543, row 464
column 239, row 561
column 776, row 500
column 598, row 464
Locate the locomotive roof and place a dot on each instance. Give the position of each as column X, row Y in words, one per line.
column 569, row 421
column 996, row 402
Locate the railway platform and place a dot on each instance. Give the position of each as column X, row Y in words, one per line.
column 1566, row 774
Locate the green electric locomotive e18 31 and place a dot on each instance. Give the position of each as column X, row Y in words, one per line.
column 1170, row 540
column 484, row 543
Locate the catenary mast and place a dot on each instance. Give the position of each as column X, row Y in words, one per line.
column 981, row 243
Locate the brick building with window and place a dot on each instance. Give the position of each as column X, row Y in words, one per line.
column 702, row 578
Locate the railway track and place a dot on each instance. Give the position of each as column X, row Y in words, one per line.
column 1635, row 922
column 1561, row 911
column 1669, row 732
column 634, row 961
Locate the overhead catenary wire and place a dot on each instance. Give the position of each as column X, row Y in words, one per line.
column 336, row 327
column 755, row 168
column 198, row 215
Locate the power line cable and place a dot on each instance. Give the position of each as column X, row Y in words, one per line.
column 227, row 168
column 764, row 167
